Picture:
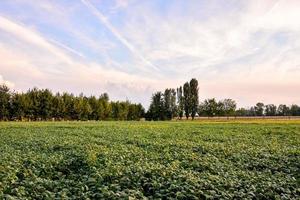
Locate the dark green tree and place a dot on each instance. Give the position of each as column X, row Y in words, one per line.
column 194, row 97
column 241, row 112
column 45, row 103
column 4, row 102
column 19, row 106
column 209, row 107
column 156, row 109
column 34, row 104
column 187, row 99
column 58, row 107
column 105, row 108
column 259, row 109
column 229, row 107
column 283, row 110
column 82, row 108
column 135, row 112
column 295, row 110
column 180, row 102
column 270, row 110
column 69, row 112
column 95, row 108
column 169, row 101
column 220, row 109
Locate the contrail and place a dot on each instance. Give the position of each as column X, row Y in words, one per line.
column 116, row 33
column 67, row 48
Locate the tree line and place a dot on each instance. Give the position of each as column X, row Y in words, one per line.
column 260, row 109
column 184, row 102
column 42, row 104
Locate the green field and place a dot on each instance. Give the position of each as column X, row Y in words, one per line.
column 135, row 160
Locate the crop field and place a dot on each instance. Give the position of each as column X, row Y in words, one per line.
column 150, row 160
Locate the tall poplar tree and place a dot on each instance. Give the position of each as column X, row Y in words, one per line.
column 187, row 99
column 180, row 102
column 194, row 98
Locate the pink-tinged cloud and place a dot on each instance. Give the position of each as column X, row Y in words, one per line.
column 248, row 51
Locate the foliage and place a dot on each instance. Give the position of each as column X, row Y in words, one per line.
column 169, row 101
column 40, row 104
column 180, row 102
column 156, row 109
column 194, row 97
column 149, row 160
column 175, row 103
column 4, row 102
column 270, row 110
column 209, row 107
column 187, row 99
column 283, row 110
column 259, row 109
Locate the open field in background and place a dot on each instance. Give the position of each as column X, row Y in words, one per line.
column 186, row 160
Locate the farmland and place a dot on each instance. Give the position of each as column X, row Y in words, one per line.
column 135, row 160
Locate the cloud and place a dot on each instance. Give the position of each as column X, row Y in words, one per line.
column 222, row 38
column 30, row 36
column 5, row 82
column 245, row 50
column 31, row 60
column 117, row 34
column 120, row 4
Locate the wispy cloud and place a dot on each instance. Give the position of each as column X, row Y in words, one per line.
column 247, row 50
column 30, row 36
column 32, row 60
column 117, row 34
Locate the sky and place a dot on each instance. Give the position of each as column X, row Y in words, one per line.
column 245, row 50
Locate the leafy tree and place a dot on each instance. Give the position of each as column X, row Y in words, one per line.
column 140, row 111
column 180, row 102
column 58, row 107
column 69, row 111
column 82, row 108
column 259, row 109
column 120, row 110
column 156, row 108
column 229, row 107
column 295, row 110
column 194, row 97
column 252, row 111
column 169, row 101
column 85, row 109
column 105, row 108
column 19, row 106
column 270, row 110
column 95, row 108
column 38, row 104
column 135, row 112
column 34, row 104
column 4, row 102
column 45, row 101
column 283, row 110
column 241, row 112
column 173, row 103
column 220, row 109
column 209, row 107
column 187, row 99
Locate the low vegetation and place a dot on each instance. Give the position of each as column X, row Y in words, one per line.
column 135, row 160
